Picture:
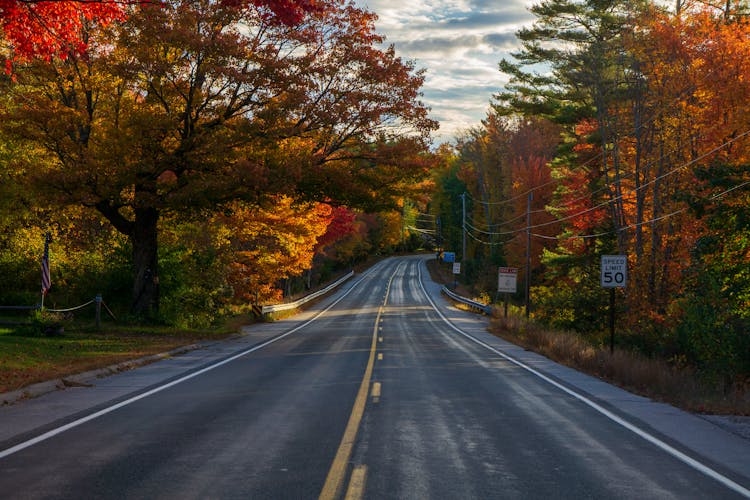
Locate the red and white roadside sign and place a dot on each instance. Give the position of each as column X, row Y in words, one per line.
column 507, row 277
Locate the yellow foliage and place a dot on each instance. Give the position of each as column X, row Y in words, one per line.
column 269, row 244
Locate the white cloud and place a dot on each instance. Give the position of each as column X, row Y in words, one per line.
column 459, row 43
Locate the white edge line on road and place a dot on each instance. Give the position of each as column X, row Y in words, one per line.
column 624, row 423
column 59, row 430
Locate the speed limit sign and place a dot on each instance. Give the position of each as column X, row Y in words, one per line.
column 614, row 272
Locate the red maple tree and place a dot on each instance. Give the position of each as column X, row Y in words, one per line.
column 53, row 28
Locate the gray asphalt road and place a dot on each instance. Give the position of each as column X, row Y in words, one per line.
column 377, row 391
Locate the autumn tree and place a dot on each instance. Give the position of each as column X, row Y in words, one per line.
column 480, row 153
column 694, row 63
column 56, row 28
column 595, row 91
column 496, row 166
column 270, row 244
column 582, row 41
column 653, row 104
column 445, row 203
column 190, row 104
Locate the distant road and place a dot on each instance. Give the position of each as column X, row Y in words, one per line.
column 378, row 396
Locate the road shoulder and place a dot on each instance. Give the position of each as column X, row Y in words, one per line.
column 720, row 441
column 48, row 404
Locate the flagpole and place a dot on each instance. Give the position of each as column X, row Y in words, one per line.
column 45, row 269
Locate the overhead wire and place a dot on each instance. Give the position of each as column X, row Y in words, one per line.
column 500, row 224
column 567, row 203
column 531, row 190
column 656, row 179
column 607, row 202
column 419, row 230
column 597, row 156
column 603, row 188
column 489, row 243
column 489, row 233
column 637, row 224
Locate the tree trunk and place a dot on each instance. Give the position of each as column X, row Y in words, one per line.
column 641, row 171
column 656, row 236
column 145, row 262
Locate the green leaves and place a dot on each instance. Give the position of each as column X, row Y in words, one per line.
column 182, row 109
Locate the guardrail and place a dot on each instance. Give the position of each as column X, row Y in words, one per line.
column 484, row 308
column 293, row 305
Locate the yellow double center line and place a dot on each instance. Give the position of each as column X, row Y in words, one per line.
column 337, row 473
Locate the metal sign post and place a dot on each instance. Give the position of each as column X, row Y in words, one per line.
column 507, row 279
column 456, row 272
column 614, row 274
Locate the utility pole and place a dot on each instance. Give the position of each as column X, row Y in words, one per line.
column 439, row 232
column 463, row 225
column 528, row 252
column 403, row 229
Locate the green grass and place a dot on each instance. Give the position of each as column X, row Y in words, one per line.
column 27, row 357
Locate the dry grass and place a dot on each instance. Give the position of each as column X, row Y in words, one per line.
column 653, row 378
column 442, row 273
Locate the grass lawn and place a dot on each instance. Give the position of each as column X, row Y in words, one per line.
column 26, row 358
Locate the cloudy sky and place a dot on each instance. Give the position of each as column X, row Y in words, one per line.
column 459, row 43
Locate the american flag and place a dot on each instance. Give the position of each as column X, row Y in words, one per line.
column 46, row 283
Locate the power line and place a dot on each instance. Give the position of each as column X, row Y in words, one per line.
column 686, row 91
column 529, row 227
column 498, row 224
column 489, row 243
column 490, row 233
column 605, row 203
column 637, row 224
column 667, row 174
column 531, row 190
column 423, row 231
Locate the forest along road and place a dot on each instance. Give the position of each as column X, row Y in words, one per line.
column 376, row 394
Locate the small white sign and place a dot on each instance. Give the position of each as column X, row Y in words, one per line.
column 456, row 268
column 507, row 278
column 614, row 272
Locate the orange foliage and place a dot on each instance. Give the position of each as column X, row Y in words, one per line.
column 531, row 147
column 579, row 206
column 270, row 244
column 698, row 68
